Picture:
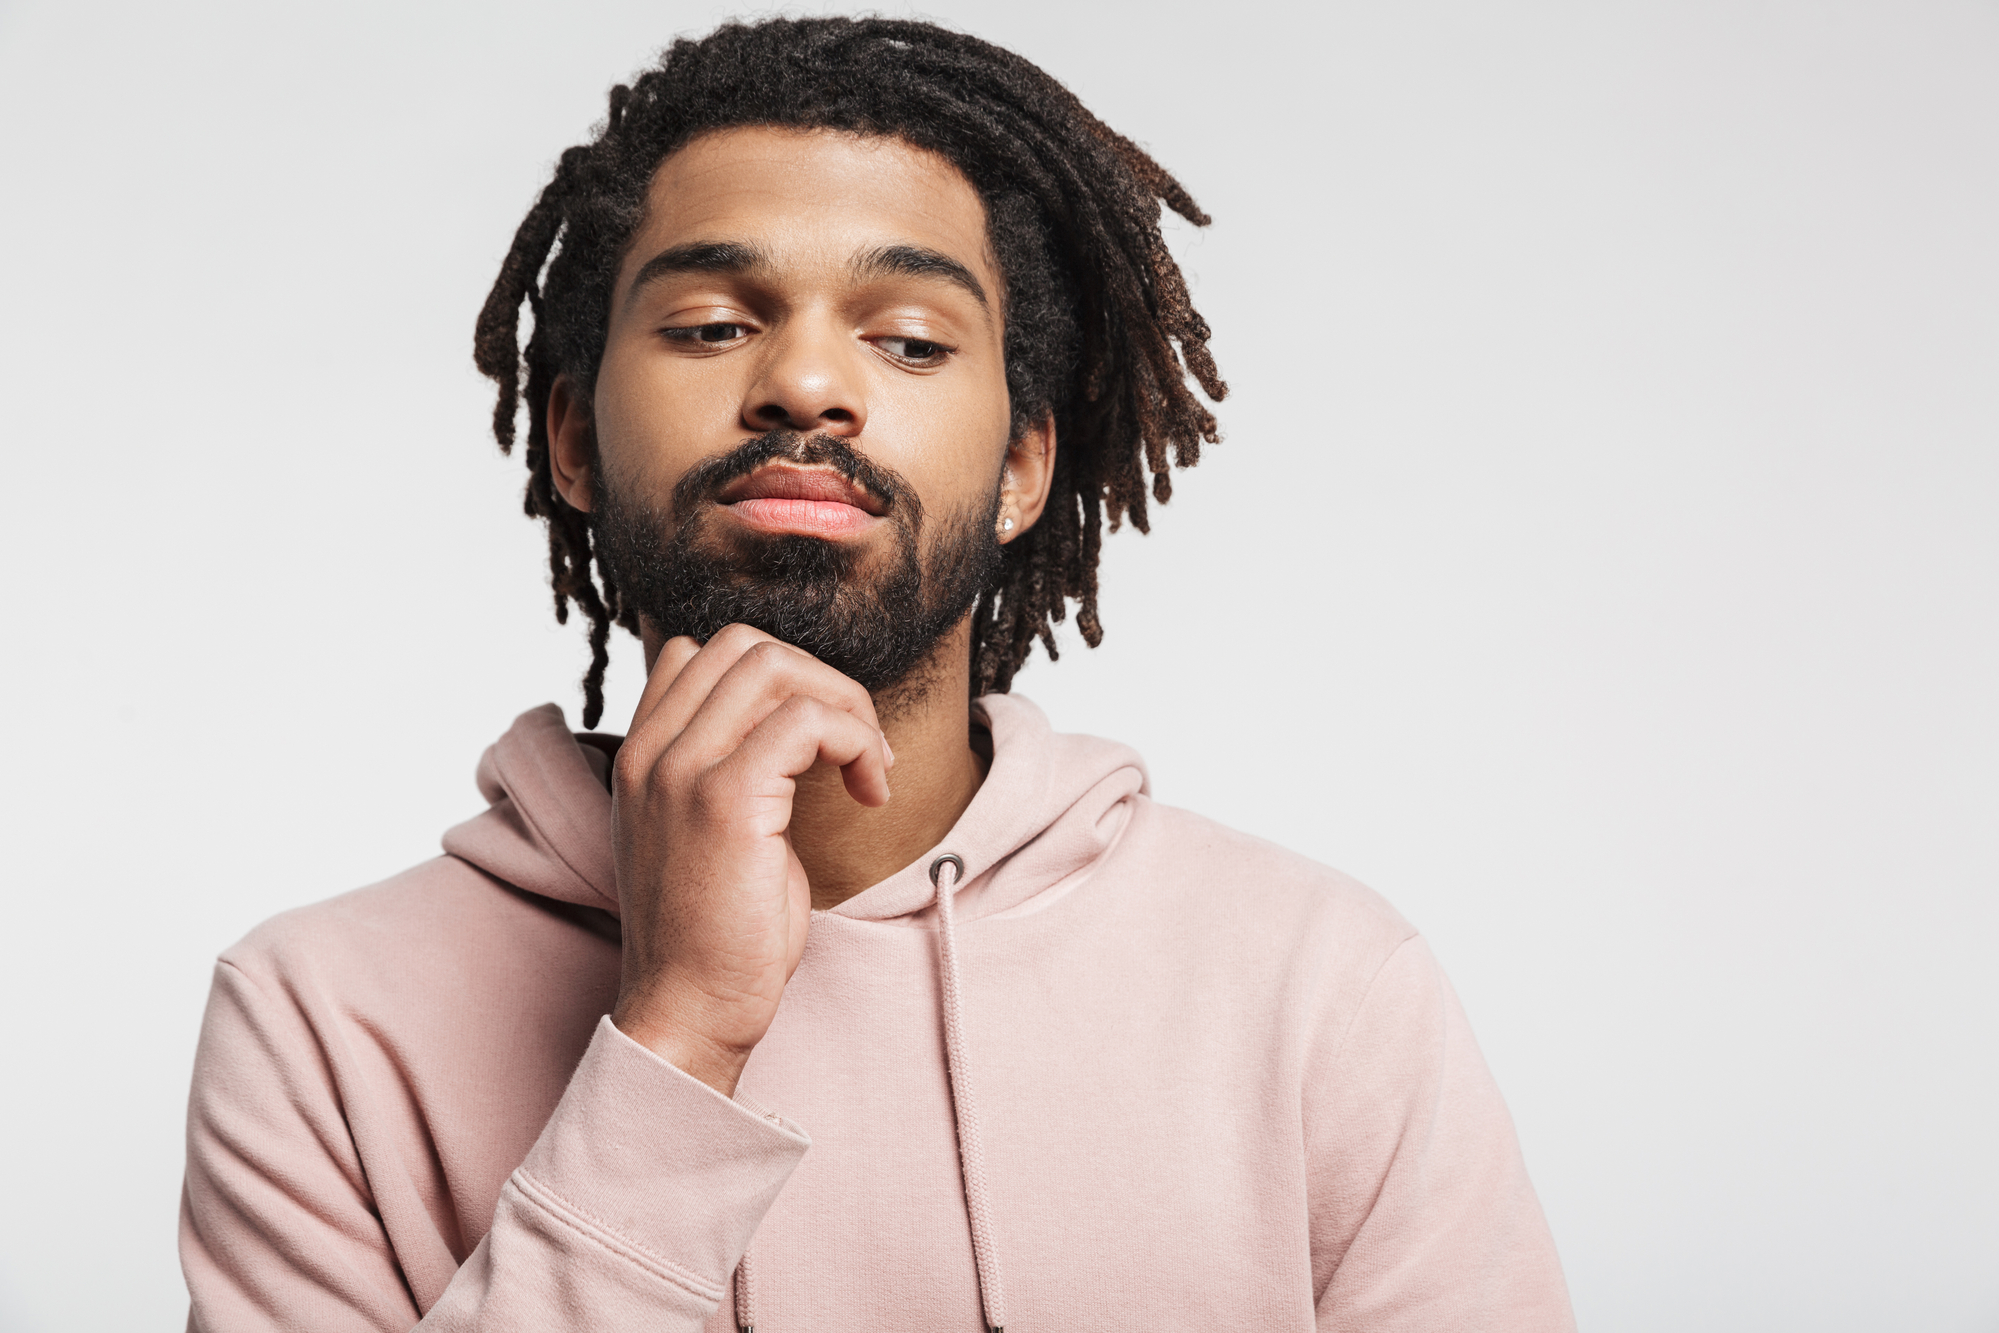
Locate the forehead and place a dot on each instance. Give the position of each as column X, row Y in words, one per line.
column 810, row 196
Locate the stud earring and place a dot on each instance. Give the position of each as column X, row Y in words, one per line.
column 1006, row 525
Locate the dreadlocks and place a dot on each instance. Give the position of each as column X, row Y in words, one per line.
column 1094, row 304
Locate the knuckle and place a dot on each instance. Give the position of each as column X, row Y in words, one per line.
column 766, row 655
column 631, row 768
column 801, row 710
column 674, row 772
column 713, row 791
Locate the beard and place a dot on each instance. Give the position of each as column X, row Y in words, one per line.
column 872, row 615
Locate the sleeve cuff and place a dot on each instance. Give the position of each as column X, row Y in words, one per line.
column 660, row 1160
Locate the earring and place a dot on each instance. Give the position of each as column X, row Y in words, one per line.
column 1006, row 525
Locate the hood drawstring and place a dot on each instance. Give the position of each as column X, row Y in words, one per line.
column 971, row 1152
column 746, row 1319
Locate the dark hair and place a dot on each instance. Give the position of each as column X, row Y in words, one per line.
column 1094, row 304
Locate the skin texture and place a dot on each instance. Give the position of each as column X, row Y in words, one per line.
column 754, row 782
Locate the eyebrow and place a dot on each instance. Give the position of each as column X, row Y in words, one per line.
column 914, row 261
column 700, row 257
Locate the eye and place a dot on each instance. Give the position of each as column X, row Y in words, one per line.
column 916, row 351
column 705, row 333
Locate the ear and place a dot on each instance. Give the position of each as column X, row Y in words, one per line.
column 572, row 444
column 1030, row 472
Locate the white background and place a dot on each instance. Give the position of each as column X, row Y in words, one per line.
column 1602, row 562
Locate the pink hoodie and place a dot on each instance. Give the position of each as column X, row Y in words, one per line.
column 1217, row 1086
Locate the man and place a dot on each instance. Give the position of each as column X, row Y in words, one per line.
column 852, row 333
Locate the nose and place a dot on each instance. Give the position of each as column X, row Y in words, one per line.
column 808, row 382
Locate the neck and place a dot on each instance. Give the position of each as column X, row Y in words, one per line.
column 845, row 846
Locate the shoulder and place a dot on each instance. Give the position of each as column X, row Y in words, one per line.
column 1210, row 869
column 1246, row 905
column 400, row 914
column 431, row 932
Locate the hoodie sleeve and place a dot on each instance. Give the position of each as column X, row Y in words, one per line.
column 1422, row 1214
column 631, row 1209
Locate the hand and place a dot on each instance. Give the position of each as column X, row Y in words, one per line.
column 714, row 901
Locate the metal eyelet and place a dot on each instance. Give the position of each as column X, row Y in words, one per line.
column 937, row 868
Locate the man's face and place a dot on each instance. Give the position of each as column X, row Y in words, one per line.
column 801, row 419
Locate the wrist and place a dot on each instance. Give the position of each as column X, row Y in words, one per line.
column 694, row 1053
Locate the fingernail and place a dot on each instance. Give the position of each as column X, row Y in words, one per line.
column 888, row 751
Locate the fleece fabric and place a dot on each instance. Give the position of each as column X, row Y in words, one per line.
column 1219, row 1086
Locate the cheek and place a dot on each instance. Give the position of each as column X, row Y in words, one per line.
column 948, row 442
column 655, row 419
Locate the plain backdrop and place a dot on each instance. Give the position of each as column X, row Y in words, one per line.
column 1601, row 562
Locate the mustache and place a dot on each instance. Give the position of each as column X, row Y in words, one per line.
column 705, row 479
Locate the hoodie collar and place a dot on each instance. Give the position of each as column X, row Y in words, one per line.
column 1050, row 807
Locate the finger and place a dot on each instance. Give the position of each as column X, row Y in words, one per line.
column 760, row 680
column 798, row 733
column 671, row 696
column 674, row 655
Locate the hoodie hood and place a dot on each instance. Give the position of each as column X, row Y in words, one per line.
column 1051, row 807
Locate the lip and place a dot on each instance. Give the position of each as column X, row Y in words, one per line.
column 812, row 501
